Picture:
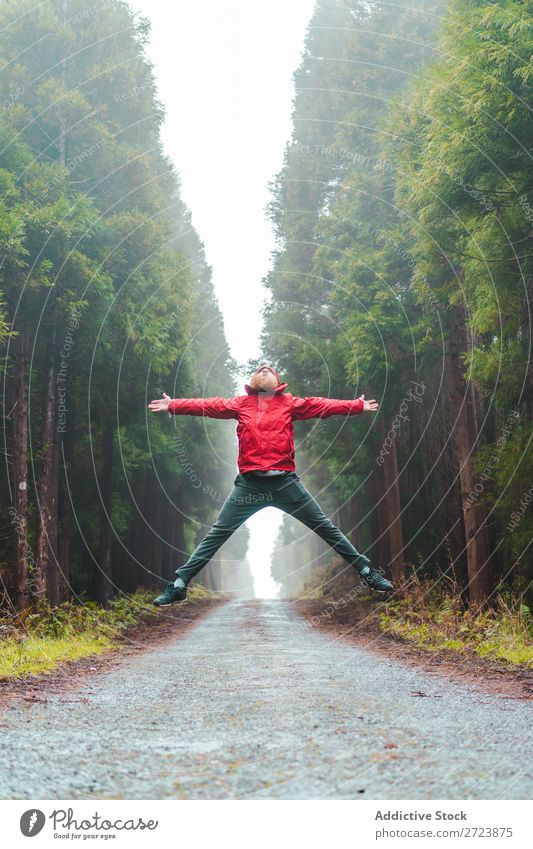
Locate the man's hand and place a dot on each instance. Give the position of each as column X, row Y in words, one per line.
column 369, row 406
column 160, row 405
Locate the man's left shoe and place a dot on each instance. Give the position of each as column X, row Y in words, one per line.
column 171, row 594
column 374, row 580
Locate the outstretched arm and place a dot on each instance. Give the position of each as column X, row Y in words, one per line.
column 214, row 408
column 322, row 408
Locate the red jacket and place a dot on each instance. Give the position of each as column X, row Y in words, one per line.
column 265, row 429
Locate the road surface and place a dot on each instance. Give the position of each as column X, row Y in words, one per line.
column 253, row 704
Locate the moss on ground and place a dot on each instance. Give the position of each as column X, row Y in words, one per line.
column 40, row 638
column 502, row 633
column 433, row 617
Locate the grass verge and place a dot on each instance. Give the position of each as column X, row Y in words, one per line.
column 436, row 621
column 40, row 638
column 430, row 616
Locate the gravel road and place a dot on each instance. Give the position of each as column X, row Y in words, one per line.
column 252, row 703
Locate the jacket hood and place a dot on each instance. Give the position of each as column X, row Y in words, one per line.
column 280, row 387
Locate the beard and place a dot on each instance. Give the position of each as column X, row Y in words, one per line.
column 263, row 382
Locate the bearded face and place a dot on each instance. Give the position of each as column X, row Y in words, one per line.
column 264, row 380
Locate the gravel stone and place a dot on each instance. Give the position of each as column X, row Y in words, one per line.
column 252, row 703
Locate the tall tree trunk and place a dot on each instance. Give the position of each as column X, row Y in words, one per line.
column 144, row 549
column 46, row 572
column 20, row 473
column 129, row 569
column 393, row 516
column 150, row 551
column 155, row 535
column 105, row 579
column 63, row 545
column 47, row 579
column 176, row 538
column 166, row 544
column 179, row 555
column 138, row 568
column 391, row 523
column 480, row 583
column 527, row 398
column 66, row 442
column 379, row 549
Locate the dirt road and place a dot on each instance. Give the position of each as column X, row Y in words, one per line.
column 252, row 703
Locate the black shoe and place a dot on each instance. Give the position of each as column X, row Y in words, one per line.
column 171, row 594
column 374, row 580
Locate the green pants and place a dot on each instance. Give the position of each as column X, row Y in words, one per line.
column 252, row 493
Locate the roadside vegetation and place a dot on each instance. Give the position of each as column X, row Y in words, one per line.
column 434, row 619
column 432, row 616
column 37, row 640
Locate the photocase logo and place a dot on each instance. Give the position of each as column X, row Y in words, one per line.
column 32, row 822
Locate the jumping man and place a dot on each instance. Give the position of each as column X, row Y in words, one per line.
column 267, row 475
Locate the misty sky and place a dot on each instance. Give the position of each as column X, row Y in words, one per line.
column 224, row 74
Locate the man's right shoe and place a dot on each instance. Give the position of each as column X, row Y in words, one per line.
column 171, row 594
column 374, row 580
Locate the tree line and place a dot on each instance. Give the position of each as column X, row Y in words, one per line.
column 404, row 270
column 106, row 301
